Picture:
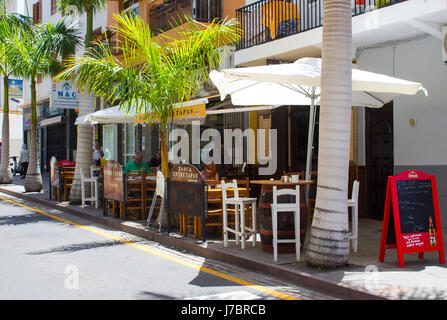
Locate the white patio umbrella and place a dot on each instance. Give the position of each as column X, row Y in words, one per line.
column 107, row 116
column 299, row 83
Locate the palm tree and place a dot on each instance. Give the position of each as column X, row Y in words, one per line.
column 31, row 54
column 153, row 74
column 86, row 106
column 8, row 21
column 328, row 244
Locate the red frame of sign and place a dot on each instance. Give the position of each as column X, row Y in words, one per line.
column 392, row 199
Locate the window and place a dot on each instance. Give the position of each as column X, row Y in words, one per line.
column 53, row 6
column 132, row 6
column 37, row 12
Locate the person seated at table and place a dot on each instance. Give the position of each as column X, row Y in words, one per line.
column 209, row 172
column 137, row 165
column 155, row 162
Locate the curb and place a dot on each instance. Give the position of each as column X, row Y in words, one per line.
column 181, row 243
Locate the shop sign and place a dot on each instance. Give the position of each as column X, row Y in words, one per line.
column 186, row 194
column 15, row 88
column 180, row 113
column 185, row 173
column 40, row 112
column 113, row 181
column 64, row 95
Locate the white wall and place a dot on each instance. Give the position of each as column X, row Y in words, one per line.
column 417, row 60
column 99, row 20
column 15, row 133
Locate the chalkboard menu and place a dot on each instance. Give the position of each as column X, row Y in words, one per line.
column 412, row 223
column 415, row 205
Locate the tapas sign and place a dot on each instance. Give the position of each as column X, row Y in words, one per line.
column 411, row 222
column 113, row 181
column 186, row 194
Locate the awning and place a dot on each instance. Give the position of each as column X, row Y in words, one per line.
column 51, row 121
column 185, row 112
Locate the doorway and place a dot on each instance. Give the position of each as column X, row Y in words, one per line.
column 379, row 131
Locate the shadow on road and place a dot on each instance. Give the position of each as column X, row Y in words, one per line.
column 79, row 247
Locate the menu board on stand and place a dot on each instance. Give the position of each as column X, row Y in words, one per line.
column 186, row 194
column 411, row 222
column 114, row 184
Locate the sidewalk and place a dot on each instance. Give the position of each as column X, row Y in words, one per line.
column 363, row 278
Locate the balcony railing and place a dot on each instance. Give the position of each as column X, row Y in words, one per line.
column 168, row 16
column 267, row 20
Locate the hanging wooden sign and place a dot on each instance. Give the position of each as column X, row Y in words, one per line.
column 411, row 222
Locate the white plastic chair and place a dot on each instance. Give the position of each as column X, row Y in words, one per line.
column 293, row 207
column 353, row 203
column 93, row 181
column 159, row 192
column 240, row 230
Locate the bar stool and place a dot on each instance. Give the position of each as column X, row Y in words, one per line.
column 239, row 210
column 286, row 207
column 353, row 203
column 93, row 181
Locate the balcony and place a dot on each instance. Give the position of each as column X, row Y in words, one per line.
column 268, row 20
column 172, row 14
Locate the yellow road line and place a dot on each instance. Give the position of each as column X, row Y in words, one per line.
column 164, row 255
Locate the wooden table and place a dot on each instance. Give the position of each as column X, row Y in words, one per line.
column 285, row 221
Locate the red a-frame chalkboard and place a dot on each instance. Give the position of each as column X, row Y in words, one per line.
column 412, row 210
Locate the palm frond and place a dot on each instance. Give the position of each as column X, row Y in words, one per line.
column 155, row 72
column 81, row 6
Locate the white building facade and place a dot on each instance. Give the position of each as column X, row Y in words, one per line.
column 400, row 38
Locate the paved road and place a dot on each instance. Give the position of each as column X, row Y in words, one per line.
column 48, row 254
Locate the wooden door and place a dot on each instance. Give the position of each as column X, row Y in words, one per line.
column 379, row 157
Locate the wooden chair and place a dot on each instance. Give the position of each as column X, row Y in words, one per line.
column 115, row 206
column 312, row 197
column 214, row 213
column 66, row 179
column 135, row 194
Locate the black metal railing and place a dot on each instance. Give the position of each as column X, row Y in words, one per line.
column 267, row 20
column 168, row 16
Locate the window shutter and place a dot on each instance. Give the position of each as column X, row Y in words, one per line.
column 40, row 10
column 35, row 13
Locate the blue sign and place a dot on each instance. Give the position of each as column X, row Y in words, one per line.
column 16, row 88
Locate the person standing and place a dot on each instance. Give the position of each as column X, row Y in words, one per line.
column 98, row 153
column 155, row 162
column 23, row 160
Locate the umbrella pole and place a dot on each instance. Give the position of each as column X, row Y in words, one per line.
column 310, row 140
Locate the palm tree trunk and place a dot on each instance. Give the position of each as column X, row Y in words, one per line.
column 84, row 154
column 5, row 173
column 33, row 179
column 164, row 151
column 89, row 29
column 328, row 244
